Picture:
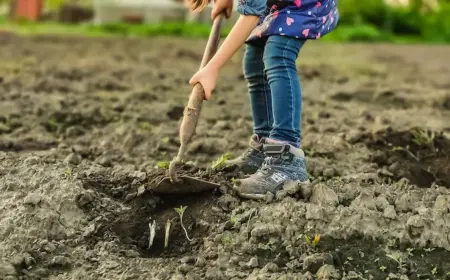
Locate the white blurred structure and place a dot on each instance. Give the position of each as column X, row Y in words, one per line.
column 152, row 11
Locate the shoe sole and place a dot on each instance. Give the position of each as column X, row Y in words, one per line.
column 257, row 196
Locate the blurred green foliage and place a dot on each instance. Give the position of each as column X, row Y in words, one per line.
column 367, row 21
column 368, row 17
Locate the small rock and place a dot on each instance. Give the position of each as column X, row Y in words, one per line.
column 140, row 175
column 389, row 212
column 329, row 173
column 252, row 263
column 270, row 267
column 213, row 273
column 404, row 203
column 314, row 262
column 85, row 199
column 32, row 199
column 32, row 160
column 441, row 204
column 141, row 190
column 381, row 203
column 221, row 125
column 7, row 269
column 60, row 261
column 200, row 262
column 415, row 221
column 185, row 268
column 188, row 260
column 104, row 160
column 394, row 168
column 322, row 195
column 280, row 195
column 73, row 158
column 269, row 197
column 291, row 187
column 364, row 199
column 306, row 190
column 177, row 277
column 327, row 272
column 392, row 276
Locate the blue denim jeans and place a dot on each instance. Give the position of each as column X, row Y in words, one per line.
column 274, row 87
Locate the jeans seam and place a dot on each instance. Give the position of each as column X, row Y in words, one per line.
column 267, row 102
column 290, row 85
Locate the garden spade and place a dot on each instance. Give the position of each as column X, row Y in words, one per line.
column 186, row 184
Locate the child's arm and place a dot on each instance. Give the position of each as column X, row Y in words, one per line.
column 250, row 14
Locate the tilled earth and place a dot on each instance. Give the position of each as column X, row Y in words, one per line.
column 87, row 127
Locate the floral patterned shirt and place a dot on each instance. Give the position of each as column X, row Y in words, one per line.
column 304, row 19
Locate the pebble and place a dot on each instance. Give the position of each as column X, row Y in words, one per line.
column 188, row 260
column 327, row 272
column 177, row 277
column 185, row 268
column 441, row 204
column 306, row 190
column 270, row 267
column 323, row 195
column 314, row 262
column 32, row 199
column 32, row 160
column 61, row 261
column 252, row 263
column 213, row 273
column 389, row 212
column 7, row 269
column 382, row 203
column 280, row 195
column 200, row 262
column 329, row 173
column 73, row 158
column 291, row 187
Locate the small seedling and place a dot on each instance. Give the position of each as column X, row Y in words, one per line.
column 220, row 162
column 383, row 268
column 167, row 232
column 316, row 240
column 434, row 271
column 152, row 231
column 180, row 212
column 163, row 164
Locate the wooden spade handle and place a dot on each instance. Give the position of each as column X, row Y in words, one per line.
column 194, row 106
column 197, row 96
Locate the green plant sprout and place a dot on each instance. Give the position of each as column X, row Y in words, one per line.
column 163, row 164
column 180, row 212
column 383, row 268
column 220, row 162
column 423, row 137
column 397, row 148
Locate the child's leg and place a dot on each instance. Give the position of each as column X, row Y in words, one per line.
column 259, row 90
column 279, row 59
column 260, row 99
column 283, row 162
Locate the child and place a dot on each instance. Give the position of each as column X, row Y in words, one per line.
column 274, row 32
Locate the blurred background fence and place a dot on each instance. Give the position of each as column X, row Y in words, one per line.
column 369, row 20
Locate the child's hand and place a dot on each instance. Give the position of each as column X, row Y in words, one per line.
column 220, row 6
column 207, row 77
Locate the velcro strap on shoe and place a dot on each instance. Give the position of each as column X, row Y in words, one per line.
column 276, row 149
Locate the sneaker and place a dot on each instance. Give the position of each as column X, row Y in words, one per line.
column 251, row 160
column 283, row 163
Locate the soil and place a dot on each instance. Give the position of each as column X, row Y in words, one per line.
column 88, row 125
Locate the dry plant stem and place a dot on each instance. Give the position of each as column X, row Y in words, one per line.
column 185, row 231
column 194, row 106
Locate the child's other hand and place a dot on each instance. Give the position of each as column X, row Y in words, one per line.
column 220, row 6
column 207, row 77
